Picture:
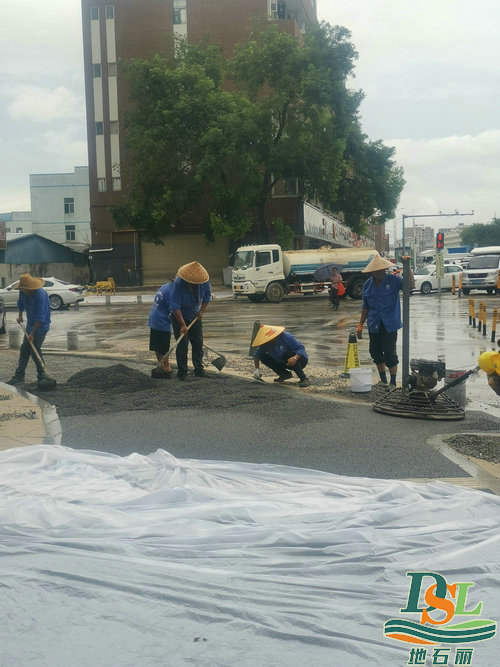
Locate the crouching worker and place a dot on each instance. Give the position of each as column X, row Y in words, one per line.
column 281, row 352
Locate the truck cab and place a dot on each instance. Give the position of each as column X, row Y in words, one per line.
column 258, row 272
column 482, row 270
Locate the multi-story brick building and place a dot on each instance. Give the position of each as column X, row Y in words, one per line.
column 139, row 29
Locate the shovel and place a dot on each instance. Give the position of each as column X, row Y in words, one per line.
column 221, row 360
column 46, row 383
column 158, row 372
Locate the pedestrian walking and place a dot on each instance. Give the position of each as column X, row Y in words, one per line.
column 281, row 352
column 189, row 298
column 161, row 327
column 336, row 282
column 34, row 301
column 381, row 309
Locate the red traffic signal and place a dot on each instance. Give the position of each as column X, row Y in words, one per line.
column 439, row 241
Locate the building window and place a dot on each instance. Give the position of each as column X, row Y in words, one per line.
column 101, row 184
column 94, row 13
column 179, row 12
column 113, row 127
column 70, row 232
column 117, row 183
column 110, row 11
column 290, row 186
column 7, row 230
column 19, row 230
column 69, row 205
column 112, row 69
column 96, row 70
column 99, row 127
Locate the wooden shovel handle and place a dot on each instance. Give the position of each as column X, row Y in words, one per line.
column 172, row 349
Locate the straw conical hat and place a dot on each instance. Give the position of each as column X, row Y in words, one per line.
column 28, row 282
column 377, row 264
column 266, row 333
column 193, row 273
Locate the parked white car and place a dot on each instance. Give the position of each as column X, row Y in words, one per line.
column 61, row 293
column 426, row 281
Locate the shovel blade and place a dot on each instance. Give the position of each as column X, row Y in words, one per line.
column 46, row 384
column 219, row 363
column 160, row 374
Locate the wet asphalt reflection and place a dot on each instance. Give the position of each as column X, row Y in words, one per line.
column 439, row 327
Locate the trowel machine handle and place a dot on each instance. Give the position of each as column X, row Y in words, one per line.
column 433, row 395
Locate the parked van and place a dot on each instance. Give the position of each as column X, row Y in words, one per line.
column 482, row 271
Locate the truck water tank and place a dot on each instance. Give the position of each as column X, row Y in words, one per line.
column 305, row 262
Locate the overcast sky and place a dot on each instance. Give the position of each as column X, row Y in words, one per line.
column 430, row 71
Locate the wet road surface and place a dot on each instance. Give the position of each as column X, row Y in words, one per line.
column 438, row 327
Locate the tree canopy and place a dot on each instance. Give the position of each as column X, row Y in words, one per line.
column 208, row 139
column 482, row 234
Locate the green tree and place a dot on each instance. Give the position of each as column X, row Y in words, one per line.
column 208, row 139
column 183, row 139
column 371, row 185
column 302, row 109
column 482, row 234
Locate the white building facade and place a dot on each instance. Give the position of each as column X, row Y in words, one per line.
column 17, row 222
column 60, row 207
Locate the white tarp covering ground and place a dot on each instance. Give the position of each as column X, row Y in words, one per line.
column 150, row 560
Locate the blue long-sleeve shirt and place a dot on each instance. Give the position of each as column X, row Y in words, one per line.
column 159, row 315
column 188, row 300
column 37, row 308
column 280, row 348
column 383, row 303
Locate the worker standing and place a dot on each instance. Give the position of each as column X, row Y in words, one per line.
column 35, row 302
column 336, row 281
column 279, row 350
column 381, row 309
column 189, row 298
column 161, row 327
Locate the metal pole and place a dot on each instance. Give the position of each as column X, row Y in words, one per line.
column 405, row 369
column 403, row 218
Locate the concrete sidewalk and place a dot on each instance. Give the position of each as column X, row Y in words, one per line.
column 143, row 296
column 26, row 419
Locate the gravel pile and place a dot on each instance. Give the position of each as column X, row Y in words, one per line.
column 115, row 379
column 114, row 387
column 481, row 446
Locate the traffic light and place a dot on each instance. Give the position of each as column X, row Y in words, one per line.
column 439, row 241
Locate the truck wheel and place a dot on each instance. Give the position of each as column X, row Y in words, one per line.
column 465, row 291
column 490, row 290
column 274, row 292
column 355, row 287
column 256, row 298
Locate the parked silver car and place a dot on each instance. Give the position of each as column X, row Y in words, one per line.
column 61, row 294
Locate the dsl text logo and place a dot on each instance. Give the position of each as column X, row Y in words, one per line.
column 446, row 602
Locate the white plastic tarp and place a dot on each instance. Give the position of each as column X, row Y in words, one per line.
column 150, row 560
